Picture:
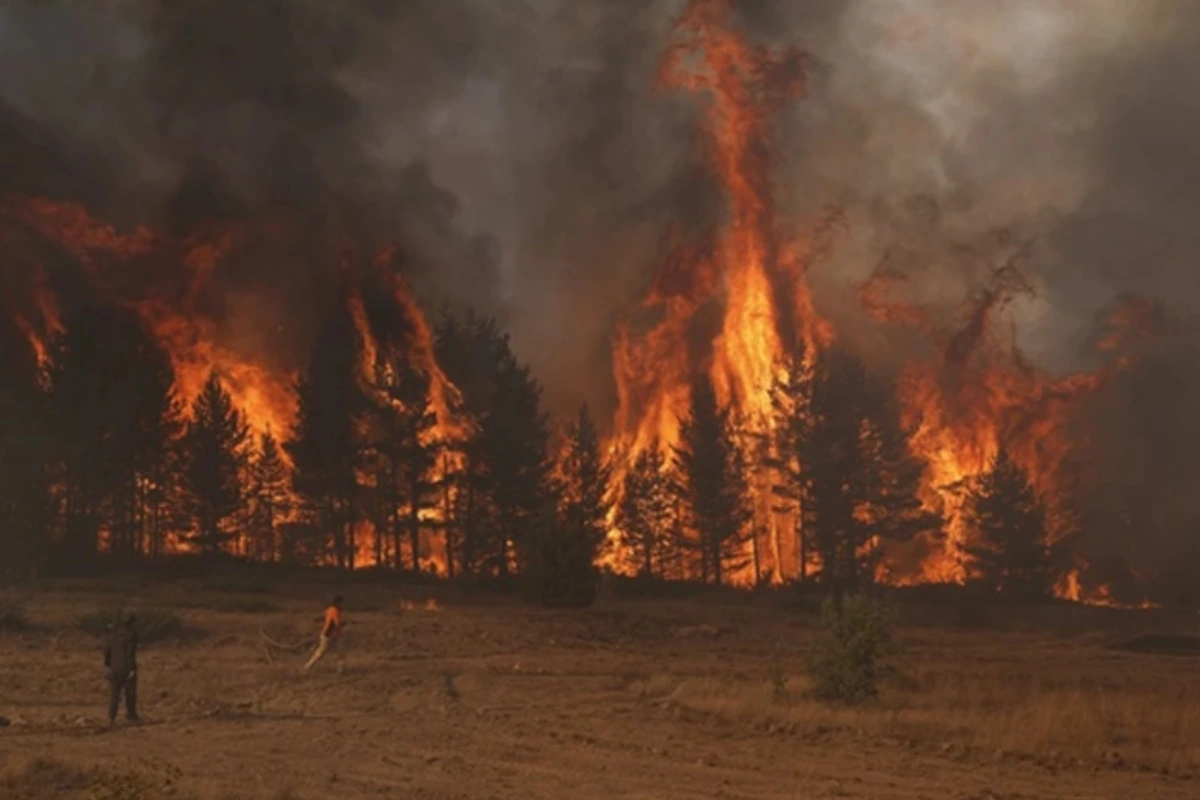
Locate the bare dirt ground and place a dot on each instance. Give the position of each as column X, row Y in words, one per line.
column 646, row 700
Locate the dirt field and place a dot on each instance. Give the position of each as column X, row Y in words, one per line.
column 647, row 700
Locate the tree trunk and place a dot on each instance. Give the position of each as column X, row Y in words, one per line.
column 802, row 542
column 414, row 520
column 757, row 560
column 468, row 526
column 447, row 523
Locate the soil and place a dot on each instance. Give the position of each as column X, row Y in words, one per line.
column 497, row 701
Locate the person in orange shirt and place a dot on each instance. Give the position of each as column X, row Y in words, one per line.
column 330, row 629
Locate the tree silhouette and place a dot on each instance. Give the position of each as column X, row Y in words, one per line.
column 145, row 435
column 791, row 403
column 468, row 350
column 646, row 511
column 712, row 478
column 216, row 438
column 892, row 510
column 505, row 477
column 515, row 441
column 112, row 412
column 405, row 424
column 24, row 452
column 270, row 501
column 326, row 449
column 834, row 467
column 1010, row 553
column 585, row 475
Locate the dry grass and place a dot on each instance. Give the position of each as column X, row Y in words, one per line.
column 1132, row 721
column 44, row 778
column 439, row 698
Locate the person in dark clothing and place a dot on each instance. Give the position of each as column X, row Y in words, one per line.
column 120, row 662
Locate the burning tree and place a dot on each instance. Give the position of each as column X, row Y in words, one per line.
column 113, row 415
column 406, row 439
column 270, row 498
column 216, row 440
column 1011, row 552
column 835, row 469
column 647, row 512
column 504, row 482
column 584, row 478
column 712, row 478
column 892, row 507
column 326, row 449
column 24, row 458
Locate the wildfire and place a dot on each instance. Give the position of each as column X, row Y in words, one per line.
column 129, row 269
column 741, row 269
column 111, row 258
column 731, row 306
column 976, row 393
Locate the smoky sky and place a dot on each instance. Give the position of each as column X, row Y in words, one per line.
column 523, row 156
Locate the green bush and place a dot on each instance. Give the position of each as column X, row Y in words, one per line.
column 558, row 569
column 152, row 625
column 847, row 663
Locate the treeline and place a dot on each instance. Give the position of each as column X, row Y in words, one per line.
column 839, row 466
column 99, row 458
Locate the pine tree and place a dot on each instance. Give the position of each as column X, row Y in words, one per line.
column 145, row 433
column 505, row 478
column 585, row 477
column 24, row 457
column 468, row 351
column 515, row 443
column 327, row 447
column 791, row 400
column 646, row 511
column 834, row 467
column 216, row 438
column 270, row 500
column 713, row 481
column 892, row 510
column 1010, row 553
column 406, row 424
column 112, row 412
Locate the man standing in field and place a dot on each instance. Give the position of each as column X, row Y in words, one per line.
column 330, row 629
column 120, row 665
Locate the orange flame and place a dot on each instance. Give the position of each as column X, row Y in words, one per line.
column 114, row 261
column 977, row 393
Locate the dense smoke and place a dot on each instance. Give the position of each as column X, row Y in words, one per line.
column 523, row 158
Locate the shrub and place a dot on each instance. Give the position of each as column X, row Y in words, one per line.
column 558, row 566
column 152, row 625
column 847, row 663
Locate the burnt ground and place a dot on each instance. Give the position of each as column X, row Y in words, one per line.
column 641, row 700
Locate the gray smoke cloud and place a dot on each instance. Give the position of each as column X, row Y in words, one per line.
column 523, row 157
